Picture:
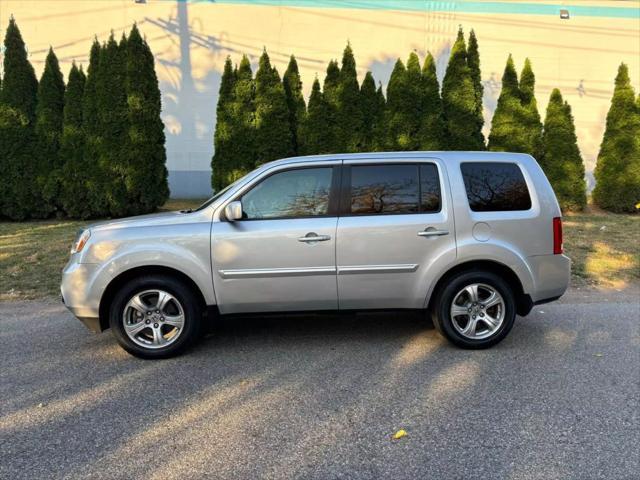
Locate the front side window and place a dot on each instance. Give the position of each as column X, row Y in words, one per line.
column 301, row 192
column 494, row 187
column 394, row 189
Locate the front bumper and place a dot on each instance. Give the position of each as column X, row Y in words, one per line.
column 79, row 293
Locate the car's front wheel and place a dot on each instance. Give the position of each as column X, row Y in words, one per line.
column 155, row 316
column 475, row 309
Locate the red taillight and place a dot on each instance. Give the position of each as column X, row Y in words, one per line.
column 557, row 235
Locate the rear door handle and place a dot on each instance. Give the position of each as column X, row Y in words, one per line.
column 432, row 232
column 313, row 237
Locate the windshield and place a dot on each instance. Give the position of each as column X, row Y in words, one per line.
column 217, row 196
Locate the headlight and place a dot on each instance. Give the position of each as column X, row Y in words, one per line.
column 81, row 241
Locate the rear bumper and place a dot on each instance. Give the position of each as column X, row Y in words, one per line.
column 551, row 274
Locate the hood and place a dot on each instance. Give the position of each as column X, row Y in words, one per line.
column 152, row 219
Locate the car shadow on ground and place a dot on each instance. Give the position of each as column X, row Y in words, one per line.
column 299, row 396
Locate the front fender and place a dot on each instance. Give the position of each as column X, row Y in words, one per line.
column 182, row 248
column 172, row 257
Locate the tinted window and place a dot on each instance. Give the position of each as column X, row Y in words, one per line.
column 377, row 189
column 495, row 187
column 294, row 193
column 429, row 188
column 399, row 188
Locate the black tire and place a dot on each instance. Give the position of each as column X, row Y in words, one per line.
column 441, row 311
column 189, row 302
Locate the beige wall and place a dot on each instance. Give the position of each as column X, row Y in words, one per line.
column 191, row 40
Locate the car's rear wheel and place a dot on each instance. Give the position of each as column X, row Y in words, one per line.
column 474, row 309
column 155, row 316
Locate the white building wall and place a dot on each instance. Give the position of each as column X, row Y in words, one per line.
column 191, row 39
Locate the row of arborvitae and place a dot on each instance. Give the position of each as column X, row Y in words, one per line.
column 263, row 118
column 93, row 148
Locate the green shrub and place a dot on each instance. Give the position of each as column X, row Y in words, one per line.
column 49, row 113
column 18, row 197
column 618, row 167
column 372, row 103
column 145, row 168
column 432, row 133
column 295, row 102
column 464, row 132
column 560, row 158
column 75, row 192
column 273, row 135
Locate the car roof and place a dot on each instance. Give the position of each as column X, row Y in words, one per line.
column 444, row 155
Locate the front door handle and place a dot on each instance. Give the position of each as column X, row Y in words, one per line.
column 313, row 237
column 432, row 232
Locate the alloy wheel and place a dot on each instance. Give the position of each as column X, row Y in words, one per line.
column 477, row 311
column 153, row 319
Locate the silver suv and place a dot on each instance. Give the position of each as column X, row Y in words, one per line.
column 473, row 238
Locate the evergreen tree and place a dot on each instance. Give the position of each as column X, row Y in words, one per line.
column 372, row 103
column 19, row 85
column 273, row 135
column 75, row 196
column 531, row 118
column 415, row 103
column 146, row 171
column 113, row 125
column 224, row 124
column 459, row 101
column 473, row 61
column 403, row 111
column 95, row 182
column 618, row 167
column 507, row 128
column 316, row 134
column 243, row 128
column 432, row 133
column 349, row 111
column 49, row 114
column 561, row 160
column 330, row 95
column 17, row 136
column 331, row 84
column 516, row 125
column 295, row 102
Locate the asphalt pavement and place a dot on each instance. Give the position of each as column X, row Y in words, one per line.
column 320, row 397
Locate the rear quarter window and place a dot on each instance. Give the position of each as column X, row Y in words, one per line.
column 495, row 187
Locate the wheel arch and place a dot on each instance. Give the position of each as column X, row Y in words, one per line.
column 117, row 282
column 524, row 304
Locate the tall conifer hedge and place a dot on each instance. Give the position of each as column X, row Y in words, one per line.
column 464, row 131
column 560, row 158
column 618, row 167
column 316, row 132
column 18, row 194
column 49, row 114
column 145, row 168
column 75, row 194
column 295, row 101
column 349, row 112
column 273, row 135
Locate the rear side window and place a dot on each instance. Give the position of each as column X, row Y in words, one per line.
column 495, row 187
column 429, row 188
column 394, row 189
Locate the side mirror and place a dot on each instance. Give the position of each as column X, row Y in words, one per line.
column 233, row 211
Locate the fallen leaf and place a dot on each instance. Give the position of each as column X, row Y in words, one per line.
column 597, row 355
column 399, row 434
